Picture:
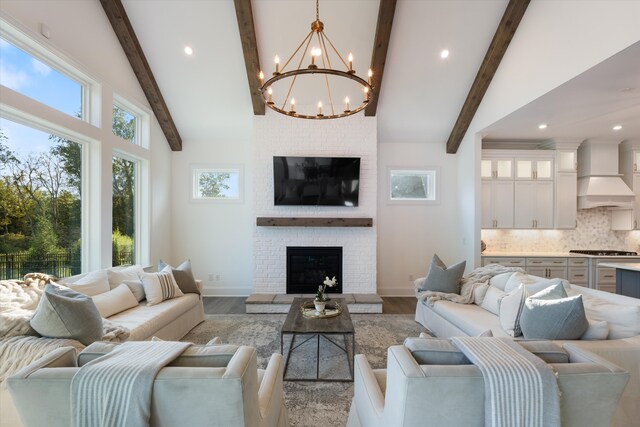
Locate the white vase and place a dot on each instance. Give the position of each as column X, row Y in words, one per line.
column 319, row 306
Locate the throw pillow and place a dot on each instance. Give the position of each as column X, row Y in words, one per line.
column 623, row 320
column 65, row 313
column 491, row 301
column 555, row 319
column 597, row 330
column 115, row 301
column 90, row 284
column 555, row 291
column 441, row 278
column 500, row 280
column 160, row 286
column 136, row 288
column 516, row 279
column 544, row 284
column 479, row 293
column 198, row 356
column 118, row 275
column 511, row 310
column 183, row 275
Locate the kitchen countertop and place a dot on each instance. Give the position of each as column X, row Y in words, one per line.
column 633, row 266
column 554, row 254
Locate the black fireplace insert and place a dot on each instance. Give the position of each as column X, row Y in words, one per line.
column 308, row 266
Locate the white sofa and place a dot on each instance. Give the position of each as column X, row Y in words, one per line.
column 233, row 394
column 447, row 319
column 408, row 394
column 169, row 320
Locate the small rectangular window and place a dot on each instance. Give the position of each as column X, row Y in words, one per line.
column 34, row 78
column 125, row 124
column 413, row 185
column 217, row 183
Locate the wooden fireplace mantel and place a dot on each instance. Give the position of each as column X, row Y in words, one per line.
column 313, row 222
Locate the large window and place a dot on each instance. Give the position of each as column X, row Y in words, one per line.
column 32, row 77
column 40, row 202
column 124, row 211
column 124, row 124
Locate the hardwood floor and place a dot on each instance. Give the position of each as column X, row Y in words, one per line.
column 235, row 305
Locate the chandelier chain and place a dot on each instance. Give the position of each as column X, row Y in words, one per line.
column 317, row 10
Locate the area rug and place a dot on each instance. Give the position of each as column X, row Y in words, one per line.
column 311, row 403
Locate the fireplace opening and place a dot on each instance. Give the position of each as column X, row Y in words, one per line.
column 308, row 266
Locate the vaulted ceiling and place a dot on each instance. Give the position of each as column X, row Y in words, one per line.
column 209, row 97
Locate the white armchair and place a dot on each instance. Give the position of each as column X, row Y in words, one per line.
column 237, row 394
column 408, row 394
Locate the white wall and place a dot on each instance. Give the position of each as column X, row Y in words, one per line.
column 216, row 236
column 81, row 33
column 409, row 234
column 555, row 41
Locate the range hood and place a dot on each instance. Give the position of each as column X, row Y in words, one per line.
column 599, row 182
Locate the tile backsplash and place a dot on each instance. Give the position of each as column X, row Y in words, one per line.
column 593, row 232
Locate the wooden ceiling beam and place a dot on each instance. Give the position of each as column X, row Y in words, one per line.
column 380, row 48
column 506, row 29
column 124, row 31
column 244, row 13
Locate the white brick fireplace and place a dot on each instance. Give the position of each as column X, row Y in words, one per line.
column 276, row 135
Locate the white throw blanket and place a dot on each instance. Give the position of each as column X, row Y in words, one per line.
column 18, row 352
column 115, row 389
column 468, row 285
column 20, row 298
column 520, row 389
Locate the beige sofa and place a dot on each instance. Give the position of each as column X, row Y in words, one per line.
column 169, row 320
column 232, row 394
column 407, row 394
column 447, row 319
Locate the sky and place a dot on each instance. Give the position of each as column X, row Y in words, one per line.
column 30, row 77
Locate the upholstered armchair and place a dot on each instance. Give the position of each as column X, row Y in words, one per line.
column 237, row 394
column 408, row 394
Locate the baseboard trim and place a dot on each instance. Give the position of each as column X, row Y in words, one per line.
column 226, row 292
column 396, row 292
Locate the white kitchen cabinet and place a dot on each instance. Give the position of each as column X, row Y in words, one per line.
column 566, row 207
column 496, row 168
column 497, row 204
column 534, row 168
column 533, row 204
column 567, row 160
column 629, row 163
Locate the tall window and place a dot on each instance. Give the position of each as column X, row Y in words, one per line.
column 31, row 77
column 40, row 202
column 124, row 211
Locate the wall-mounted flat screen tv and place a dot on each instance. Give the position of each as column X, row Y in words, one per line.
column 316, row 181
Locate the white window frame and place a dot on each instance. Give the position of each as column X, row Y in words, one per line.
column 432, row 171
column 143, row 120
column 196, row 169
column 90, row 88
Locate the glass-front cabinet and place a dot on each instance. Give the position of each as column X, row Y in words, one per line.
column 497, row 168
column 528, row 168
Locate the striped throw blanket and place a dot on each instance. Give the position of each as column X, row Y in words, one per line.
column 115, row 389
column 520, row 389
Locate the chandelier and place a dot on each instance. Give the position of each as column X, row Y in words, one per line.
column 315, row 49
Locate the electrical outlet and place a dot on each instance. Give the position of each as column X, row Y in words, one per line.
column 210, row 277
column 217, row 277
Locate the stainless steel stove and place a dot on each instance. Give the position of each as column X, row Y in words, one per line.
column 602, row 252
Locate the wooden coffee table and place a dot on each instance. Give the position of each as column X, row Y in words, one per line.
column 297, row 324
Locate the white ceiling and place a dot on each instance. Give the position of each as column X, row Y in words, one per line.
column 208, row 93
column 422, row 94
column 587, row 106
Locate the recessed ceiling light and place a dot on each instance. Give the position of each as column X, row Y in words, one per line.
column 444, row 53
column 542, row 126
column 188, row 50
column 617, row 127
column 627, row 89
